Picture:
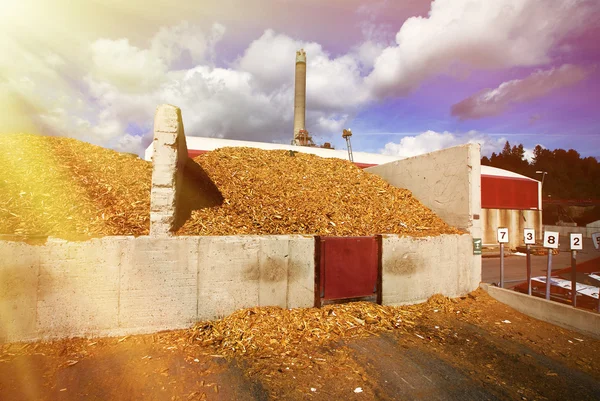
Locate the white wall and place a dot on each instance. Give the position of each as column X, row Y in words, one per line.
column 514, row 220
column 565, row 230
column 447, row 181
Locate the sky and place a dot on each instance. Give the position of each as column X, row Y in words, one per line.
column 408, row 77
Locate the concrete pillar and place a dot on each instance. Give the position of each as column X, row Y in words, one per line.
column 170, row 152
column 300, row 92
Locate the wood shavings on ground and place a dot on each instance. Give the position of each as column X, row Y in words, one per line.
column 283, row 192
column 277, row 338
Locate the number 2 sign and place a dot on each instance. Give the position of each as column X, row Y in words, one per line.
column 550, row 239
column 529, row 236
column 502, row 235
column 576, row 240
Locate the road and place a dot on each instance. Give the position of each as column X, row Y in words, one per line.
column 515, row 268
column 469, row 348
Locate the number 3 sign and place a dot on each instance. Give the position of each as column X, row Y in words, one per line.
column 529, row 236
column 550, row 239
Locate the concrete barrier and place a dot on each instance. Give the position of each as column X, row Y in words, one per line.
column 117, row 286
column 179, row 185
column 449, row 183
column 565, row 230
column 562, row 315
column 125, row 285
column 413, row 269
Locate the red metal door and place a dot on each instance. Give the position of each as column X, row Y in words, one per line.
column 349, row 268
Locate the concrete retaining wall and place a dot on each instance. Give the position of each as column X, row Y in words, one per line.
column 447, row 181
column 549, row 311
column 125, row 285
column 565, row 230
column 413, row 269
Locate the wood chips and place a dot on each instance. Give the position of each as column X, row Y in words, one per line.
column 70, row 189
column 283, row 192
column 284, row 337
column 62, row 187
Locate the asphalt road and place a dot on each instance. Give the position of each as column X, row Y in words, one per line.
column 515, row 268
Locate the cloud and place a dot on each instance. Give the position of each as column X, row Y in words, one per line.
column 332, row 84
column 110, row 77
column 127, row 67
column 172, row 44
column 473, row 34
column 430, row 141
column 491, row 102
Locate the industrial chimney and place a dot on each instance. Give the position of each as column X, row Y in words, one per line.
column 300, row 134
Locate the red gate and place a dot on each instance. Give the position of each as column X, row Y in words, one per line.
column 347, row 269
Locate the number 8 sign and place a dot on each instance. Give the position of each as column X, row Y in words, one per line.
column 596, row 239
column 550, row 239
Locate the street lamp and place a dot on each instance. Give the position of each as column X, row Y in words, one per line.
column 544, row 174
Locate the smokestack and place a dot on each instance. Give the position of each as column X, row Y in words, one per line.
column 300, row 95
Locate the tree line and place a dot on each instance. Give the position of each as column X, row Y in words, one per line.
column 569, row 176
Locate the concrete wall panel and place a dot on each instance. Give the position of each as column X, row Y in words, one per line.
column 19, row 270
column 273, row 261
column 159, row 283
column 447, row 181
column 78, row 287
column 416, row 268
column 228, row 275
column 301, row 272
column 565, row 230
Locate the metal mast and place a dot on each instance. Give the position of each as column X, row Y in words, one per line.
column 346, row 135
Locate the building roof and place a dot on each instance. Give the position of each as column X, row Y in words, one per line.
column 208, row 144
column 498, row 172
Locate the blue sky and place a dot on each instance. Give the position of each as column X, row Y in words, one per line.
column 407, row 77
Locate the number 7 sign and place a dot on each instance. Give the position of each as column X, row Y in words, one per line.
column 502, row 235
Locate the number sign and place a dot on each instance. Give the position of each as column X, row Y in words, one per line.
column 576, row 241
column 502, row 235
column 596, row 239
column 550, row 239
column 529, row 236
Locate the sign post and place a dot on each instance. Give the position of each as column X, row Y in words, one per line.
column 529, row 238
column 502, row 235
column 576, row 244
column 550, row 243
column 596, row 241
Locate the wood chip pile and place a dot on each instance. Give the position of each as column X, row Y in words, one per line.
column 282, row 192
column 71, row 189
column 284, row 337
